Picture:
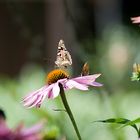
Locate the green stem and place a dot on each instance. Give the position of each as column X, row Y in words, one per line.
column 66, row 105
column 138, row 131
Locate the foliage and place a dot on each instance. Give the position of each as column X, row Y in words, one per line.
column 125, row 123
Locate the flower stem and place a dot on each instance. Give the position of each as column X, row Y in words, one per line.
column 66, row 105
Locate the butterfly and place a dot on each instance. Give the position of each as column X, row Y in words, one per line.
column 63, row 59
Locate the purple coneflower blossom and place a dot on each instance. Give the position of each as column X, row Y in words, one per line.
column 20, row 133
column 135, row 19
column 32, row 133
column 5, row 132
column 51, row 89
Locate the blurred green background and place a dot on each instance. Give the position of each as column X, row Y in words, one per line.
column 96, row 32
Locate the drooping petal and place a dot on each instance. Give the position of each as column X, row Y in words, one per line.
column 96, row 84
column 43, row 97
column 73, row 84
column 31, row 101
column 50, row 94
column 34, row 93
column 37, row 97
column 55, row 90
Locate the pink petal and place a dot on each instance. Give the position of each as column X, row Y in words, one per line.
column 43, row 97
column 50, row 94
column 26, row 132
column 135, row 19
column 62, row 80
column 37, row 97
column 31, row 102
column 73, row 84
column 35, row 93
column 55, row 90
column 87, row 80
column 96, row 84
column 88, row 77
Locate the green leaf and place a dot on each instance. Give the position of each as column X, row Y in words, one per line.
column 59, row 110
column 115, row 120
column 124, row 121
column 131, row 123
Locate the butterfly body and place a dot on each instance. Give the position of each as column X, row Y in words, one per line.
column 63, row 59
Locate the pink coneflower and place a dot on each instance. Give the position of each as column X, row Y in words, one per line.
column 32, row 133
column 5, row 132
column 135, row 19
column 51, row 89
column 19, row 133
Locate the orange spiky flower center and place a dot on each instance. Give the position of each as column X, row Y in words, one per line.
column 56, row 75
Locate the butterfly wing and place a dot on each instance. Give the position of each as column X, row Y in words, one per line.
column 63, row 59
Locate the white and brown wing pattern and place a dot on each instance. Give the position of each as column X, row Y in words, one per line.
column 63, row 59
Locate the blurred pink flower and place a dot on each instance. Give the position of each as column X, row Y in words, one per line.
column 5, row 132
column 52, row 89
column 135, row 19
column 32, row 133
column 20, row 133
